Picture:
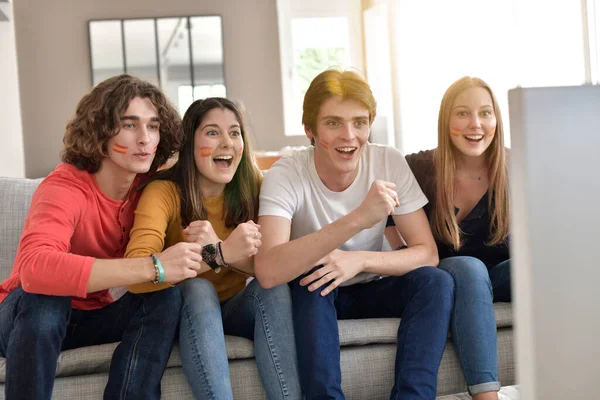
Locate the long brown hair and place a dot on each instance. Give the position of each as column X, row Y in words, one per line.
column 444, row 224
column 241, row 194
column 98, row 117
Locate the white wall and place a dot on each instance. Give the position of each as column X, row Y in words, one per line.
column 12, row 163
column 54, row 65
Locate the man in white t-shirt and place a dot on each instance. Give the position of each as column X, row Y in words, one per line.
column 322, row 215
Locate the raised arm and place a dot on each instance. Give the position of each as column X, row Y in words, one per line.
column 280, row 260
column 420, row 251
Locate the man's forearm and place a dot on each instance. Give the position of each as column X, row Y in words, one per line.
column 400, row 262
column 108, row 274
column 287, row 261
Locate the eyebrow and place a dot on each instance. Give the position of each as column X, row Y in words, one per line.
column 464, row 106
column 341, row 119
column 136, row 118
column 217, row 126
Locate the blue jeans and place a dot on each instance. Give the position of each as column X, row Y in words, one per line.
column 422, row 298
column 35, row 328
column 258, row 314
column 473, row 322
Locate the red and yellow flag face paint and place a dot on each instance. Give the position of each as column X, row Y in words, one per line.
column 455, row 132
column 324, row 144
column 154, row 151
column 117, row 148
column 206, row 151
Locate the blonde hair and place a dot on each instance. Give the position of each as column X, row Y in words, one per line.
column 444, row 224
column 348, row 85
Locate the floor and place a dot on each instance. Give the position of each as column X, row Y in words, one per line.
column 507, row 393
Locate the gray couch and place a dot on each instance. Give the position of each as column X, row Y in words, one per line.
column 368, row 346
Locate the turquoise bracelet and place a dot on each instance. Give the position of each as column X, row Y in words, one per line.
column 158, row 269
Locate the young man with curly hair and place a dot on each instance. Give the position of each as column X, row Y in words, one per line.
column 67, row 286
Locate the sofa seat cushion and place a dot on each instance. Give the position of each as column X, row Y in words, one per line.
column 357, row 332
column 96, row 359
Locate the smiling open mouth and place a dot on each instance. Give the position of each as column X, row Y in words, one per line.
column 474, row 138
column 346, row 150
column 223, row 161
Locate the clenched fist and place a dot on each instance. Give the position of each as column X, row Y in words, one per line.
column 379, row 202
column 181, row 261
column 242, row 243
column 201, row 232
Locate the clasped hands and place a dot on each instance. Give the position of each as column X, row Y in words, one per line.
column 242, row 243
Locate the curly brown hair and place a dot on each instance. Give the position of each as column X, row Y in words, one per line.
column 97, row 119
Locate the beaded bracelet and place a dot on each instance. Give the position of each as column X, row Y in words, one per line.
column 159, row 271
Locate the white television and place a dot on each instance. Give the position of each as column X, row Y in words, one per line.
column 555, row 240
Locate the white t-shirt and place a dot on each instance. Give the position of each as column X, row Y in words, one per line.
column 292, row 189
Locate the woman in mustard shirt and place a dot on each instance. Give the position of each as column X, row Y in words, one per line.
column 210, row 196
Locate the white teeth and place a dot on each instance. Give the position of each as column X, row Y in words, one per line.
column 223, row 157
column 346, row 149
column 474, row 137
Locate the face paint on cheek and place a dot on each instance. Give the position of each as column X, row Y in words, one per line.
column 154, row 151
column 117, row 148
column 455, row 132
column 493, row 131
column 324, row 144
column 206, row 151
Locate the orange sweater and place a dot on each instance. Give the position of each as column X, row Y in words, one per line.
column 69, row 224
column 158, row 226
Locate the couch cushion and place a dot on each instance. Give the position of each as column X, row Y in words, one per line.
column 96, row 359
column 355, row 332
column 15, row 198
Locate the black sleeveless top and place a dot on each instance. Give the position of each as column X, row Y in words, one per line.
column 475, row 226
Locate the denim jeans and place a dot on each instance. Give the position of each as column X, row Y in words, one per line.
column 35, row 328
column 258, row 314
column 473, row 322
column 422, row 298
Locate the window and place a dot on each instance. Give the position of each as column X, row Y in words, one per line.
column 315, row 36
column 174, row 53
column 185, row 96
column 507, row 44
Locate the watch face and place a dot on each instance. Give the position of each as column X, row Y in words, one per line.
column 209, row 253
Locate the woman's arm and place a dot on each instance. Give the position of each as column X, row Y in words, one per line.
column 152, row 215
column 239, row 248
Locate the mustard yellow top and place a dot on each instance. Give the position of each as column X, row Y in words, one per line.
column 157, row 226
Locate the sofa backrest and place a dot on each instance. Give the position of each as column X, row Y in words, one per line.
column 15, row 198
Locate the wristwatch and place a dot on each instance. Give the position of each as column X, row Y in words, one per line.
column 209, row 256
